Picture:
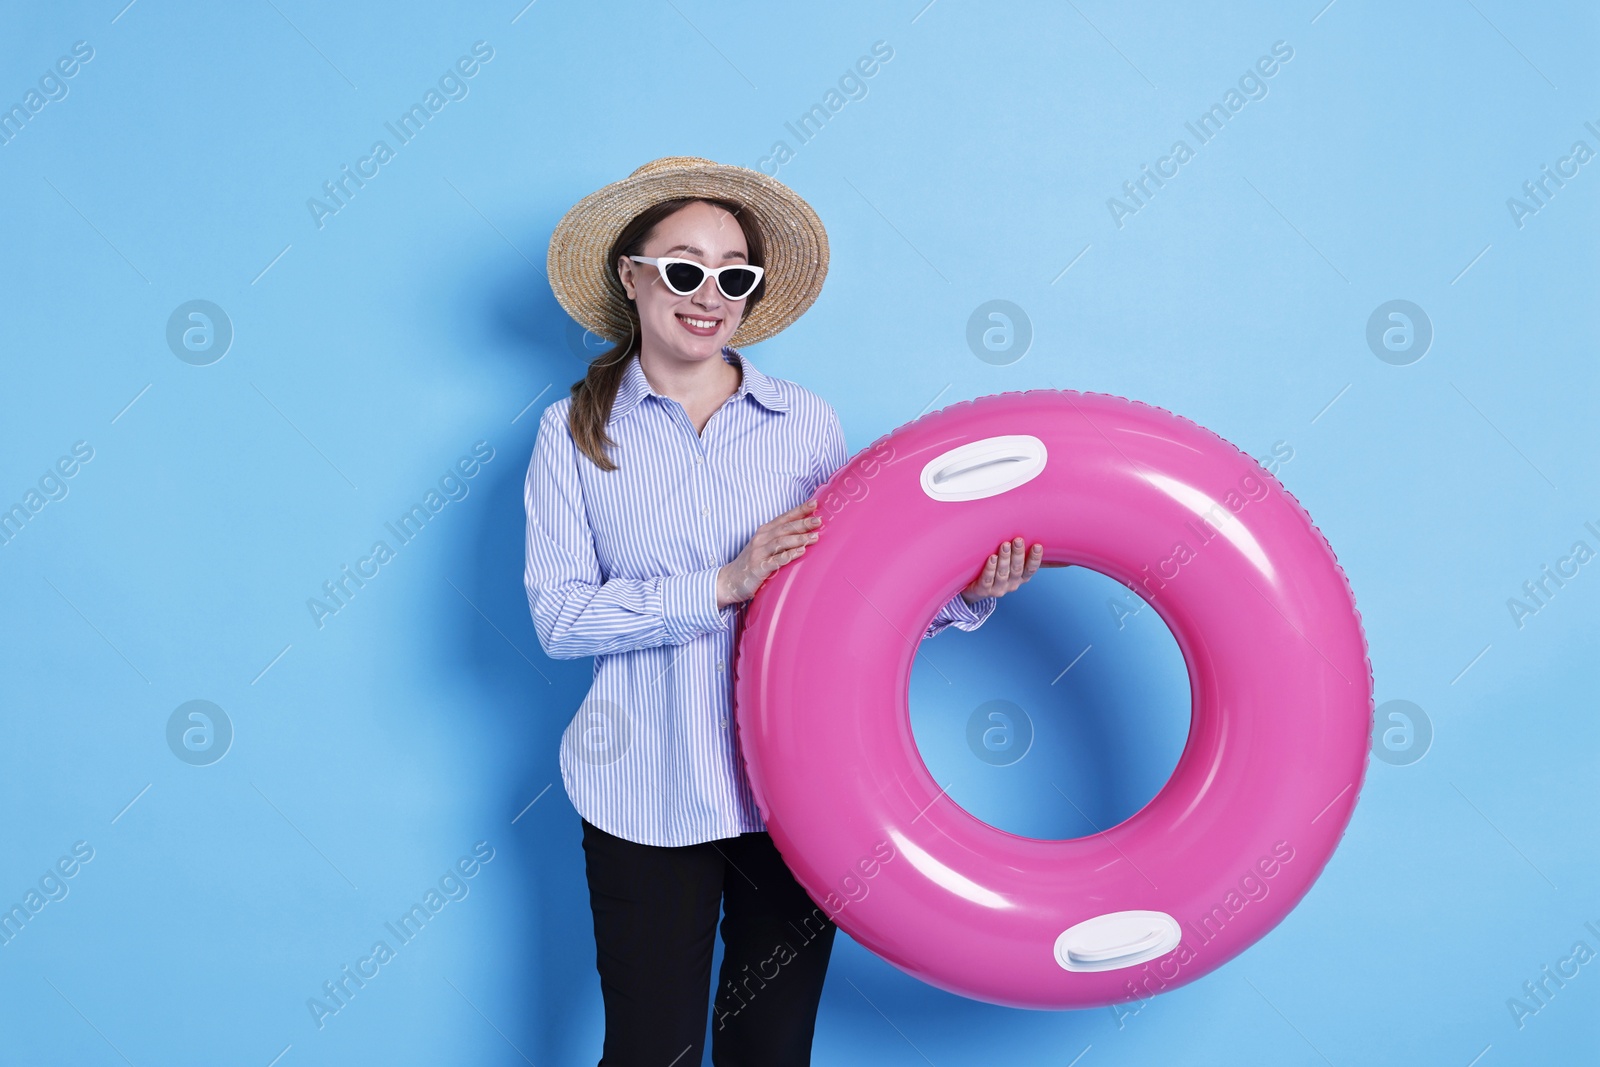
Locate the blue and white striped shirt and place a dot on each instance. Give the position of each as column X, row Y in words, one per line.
column 622, row 565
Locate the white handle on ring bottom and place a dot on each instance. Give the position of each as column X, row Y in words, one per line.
column 1117, row 939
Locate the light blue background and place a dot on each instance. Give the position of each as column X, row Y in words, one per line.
column 373, row 352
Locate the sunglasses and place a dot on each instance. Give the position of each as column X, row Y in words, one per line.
column 685, row 276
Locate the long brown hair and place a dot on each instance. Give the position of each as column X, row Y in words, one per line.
column 596, row 391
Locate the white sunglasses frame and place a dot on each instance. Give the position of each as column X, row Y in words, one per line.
column 660, row 263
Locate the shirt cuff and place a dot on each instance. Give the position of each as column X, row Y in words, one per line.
column 964, row 616
column 689, row 604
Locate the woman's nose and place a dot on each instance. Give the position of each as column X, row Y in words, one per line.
column 707, row 296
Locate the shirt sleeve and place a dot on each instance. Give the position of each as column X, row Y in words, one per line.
column 957, row 612
column 963, row 616
column 576, row 611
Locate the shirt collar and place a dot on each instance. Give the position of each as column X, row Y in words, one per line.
column 635, row 386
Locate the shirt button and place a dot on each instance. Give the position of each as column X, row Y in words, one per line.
column 705, row 511
column 698, row 459
column 724, row 724
column 719, row 664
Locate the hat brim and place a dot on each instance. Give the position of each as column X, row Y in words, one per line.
column 796, row 244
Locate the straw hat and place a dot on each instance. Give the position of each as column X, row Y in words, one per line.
column 585, row 281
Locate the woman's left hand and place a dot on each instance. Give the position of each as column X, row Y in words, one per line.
column 1006, row 569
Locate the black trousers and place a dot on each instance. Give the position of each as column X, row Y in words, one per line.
column 655, row 917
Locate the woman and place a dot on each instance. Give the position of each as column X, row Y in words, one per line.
column 642, row 557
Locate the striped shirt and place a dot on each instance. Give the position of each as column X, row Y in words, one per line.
column 622, row 566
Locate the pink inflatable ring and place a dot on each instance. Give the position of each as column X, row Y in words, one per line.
column 1278, row 670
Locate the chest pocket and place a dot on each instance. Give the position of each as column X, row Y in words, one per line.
column 782, row 485
column 768, row 490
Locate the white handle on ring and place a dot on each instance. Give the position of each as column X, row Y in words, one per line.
column 1117, row 939
column 984, row 468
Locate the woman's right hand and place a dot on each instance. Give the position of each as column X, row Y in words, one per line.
column 772, row 545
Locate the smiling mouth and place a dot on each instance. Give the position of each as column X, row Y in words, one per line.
column 698, row 326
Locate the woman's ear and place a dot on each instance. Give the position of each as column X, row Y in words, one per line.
column 625, row 275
